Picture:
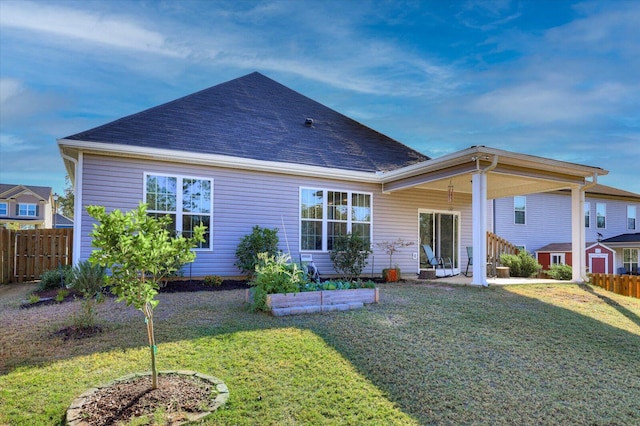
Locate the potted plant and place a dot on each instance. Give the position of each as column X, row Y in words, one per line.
column 392, row 274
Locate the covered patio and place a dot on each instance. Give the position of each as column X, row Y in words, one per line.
column 487, row 173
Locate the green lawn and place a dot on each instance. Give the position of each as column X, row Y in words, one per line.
column 427, row 354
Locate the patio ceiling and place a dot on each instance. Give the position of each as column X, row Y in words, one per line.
column 511, row 173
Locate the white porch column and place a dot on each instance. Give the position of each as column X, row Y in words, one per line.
column 578, row 261
column 479, row 219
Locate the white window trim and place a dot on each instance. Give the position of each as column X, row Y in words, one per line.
column 635, row 218
column 35, row 210
column 524, row 211
column 560, row 255
column 325, row 220
column 587, row 209
column 179, row 214
column 605, row 215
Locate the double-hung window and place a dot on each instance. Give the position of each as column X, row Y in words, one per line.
column 630, row 259
column 29, row 210
column 4, row 209
column 519, row 210
column 631, row 217
column 326, row 215
column 601, row 215
column 557, row 258
column 587, row 215
column 187, row 200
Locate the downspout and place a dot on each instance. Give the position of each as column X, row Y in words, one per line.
column 77, row 209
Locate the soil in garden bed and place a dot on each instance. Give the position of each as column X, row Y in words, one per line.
column 178, row 286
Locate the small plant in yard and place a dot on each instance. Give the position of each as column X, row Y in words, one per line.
column 55, row 278
column 522, row 264
column 349, row 255
column 260, row 240
column 560, row 272
column 390, row 247
column 213, row 281
column 88, row 280
column 140, row 252
column 275, row 274
column 34, row 298
column 61, row 294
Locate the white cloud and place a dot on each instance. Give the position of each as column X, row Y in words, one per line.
column 11, row 143
column 89, row 27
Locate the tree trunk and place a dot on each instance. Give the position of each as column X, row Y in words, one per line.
column 148, row 312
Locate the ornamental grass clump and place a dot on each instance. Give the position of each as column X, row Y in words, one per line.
column 88, row 280
column 140, row 252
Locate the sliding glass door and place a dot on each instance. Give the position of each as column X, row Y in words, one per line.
column 440, row 230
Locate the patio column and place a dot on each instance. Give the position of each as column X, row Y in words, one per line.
column 479, row 220
column 578, row 256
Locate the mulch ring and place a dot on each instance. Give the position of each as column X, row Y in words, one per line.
column 186, row 285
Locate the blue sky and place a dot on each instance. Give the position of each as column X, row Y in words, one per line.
column 558, row 79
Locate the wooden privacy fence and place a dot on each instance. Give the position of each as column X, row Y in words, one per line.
column 25, row 255
column 626, row 285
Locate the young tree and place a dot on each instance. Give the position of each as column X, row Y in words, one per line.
column 66, row 201
column 140, row 252
column 349, row 255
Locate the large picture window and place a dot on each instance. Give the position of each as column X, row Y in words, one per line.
column 188, row 201
column 325, row 215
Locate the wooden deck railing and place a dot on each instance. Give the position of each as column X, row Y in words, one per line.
column 626, row 285
column 497, row 245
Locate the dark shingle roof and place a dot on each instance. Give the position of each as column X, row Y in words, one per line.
column 624, row 238
column 255, row 117
column 559, row 247
column 8, row 190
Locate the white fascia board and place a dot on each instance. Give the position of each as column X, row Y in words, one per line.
column 505, row 157
column 217, row 160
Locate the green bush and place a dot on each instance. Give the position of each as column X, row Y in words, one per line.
column 560, row 272
column 260, row 240
column 56, row 278
column 61, row 294
column 88, row 280
column 349, row 255
column 213, row 281
column 521, row 265
column 275, row 274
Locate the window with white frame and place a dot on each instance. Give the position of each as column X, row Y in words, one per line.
column 630, row 259
column 631, row 217
column 327, row 214
column 187, row 200
column 28, row 210
column 557, row 258
column 4, row 209
column 519, row 210
column 587, row 215
column 601, row 215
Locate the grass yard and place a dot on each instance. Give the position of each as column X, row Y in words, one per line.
column 427, row 354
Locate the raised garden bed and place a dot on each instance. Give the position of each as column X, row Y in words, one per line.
column 309, row 302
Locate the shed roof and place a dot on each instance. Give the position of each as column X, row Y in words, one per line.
column 254, row 117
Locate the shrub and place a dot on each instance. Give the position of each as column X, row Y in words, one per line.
column 61, row 294
column 349, row 255
column 88, row 280
column 275, row 274
column 260, row 240
column 560, row 272
column 521, row 265
column 34, row 298
column 56, row 278
column 213, row 281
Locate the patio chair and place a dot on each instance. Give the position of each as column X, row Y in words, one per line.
column 470, row 262
column 437, row 262
column 306, row 262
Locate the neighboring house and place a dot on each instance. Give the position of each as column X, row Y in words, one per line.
column 627, row 247
column 62, row 222
column 541, row 223
column 254, row 152
column 28, row 206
